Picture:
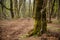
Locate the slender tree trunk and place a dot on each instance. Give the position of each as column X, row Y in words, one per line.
column 16, row 9
column 59, row 12
column 19, row 7
column 51, row 9
column 24, row 8
column 29, row 8
column 34, row 8
column 50, row 1
column 11, row 8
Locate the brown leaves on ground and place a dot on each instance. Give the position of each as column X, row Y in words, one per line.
column 13, row 29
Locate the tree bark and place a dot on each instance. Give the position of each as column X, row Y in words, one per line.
column 16, row 12
column 29, row 8
column 40, row 18
column 59, row 12
column 3, row 15
column 11, row 8
column 51, row 8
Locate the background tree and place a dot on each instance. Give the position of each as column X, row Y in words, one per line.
column 59, row 11
column 11, row 8
column 3, row 9
column 29, row 8
column 16, row 14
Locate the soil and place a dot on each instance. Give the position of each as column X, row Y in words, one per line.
column 15, row 30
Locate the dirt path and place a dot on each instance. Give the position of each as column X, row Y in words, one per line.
column 12, row 30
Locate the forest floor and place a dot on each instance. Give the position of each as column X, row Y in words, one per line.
column 17, row 29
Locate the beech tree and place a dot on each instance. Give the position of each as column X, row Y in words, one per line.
column 40, row 25
column 11, row 8
column 58, row 16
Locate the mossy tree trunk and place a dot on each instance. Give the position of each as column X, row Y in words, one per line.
column 16, row 13
column 40, row 25
column 44, row 22
column 37, row 25
column 23, row 9
column 19, row 7
column 3, row 9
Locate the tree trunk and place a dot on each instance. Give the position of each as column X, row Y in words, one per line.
column 3, row 10
column 59, row 12
column 11, row 8
column 40, row 18
column 29, row 8
column 16, row 14
column 51, row 8
column 44, row 23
